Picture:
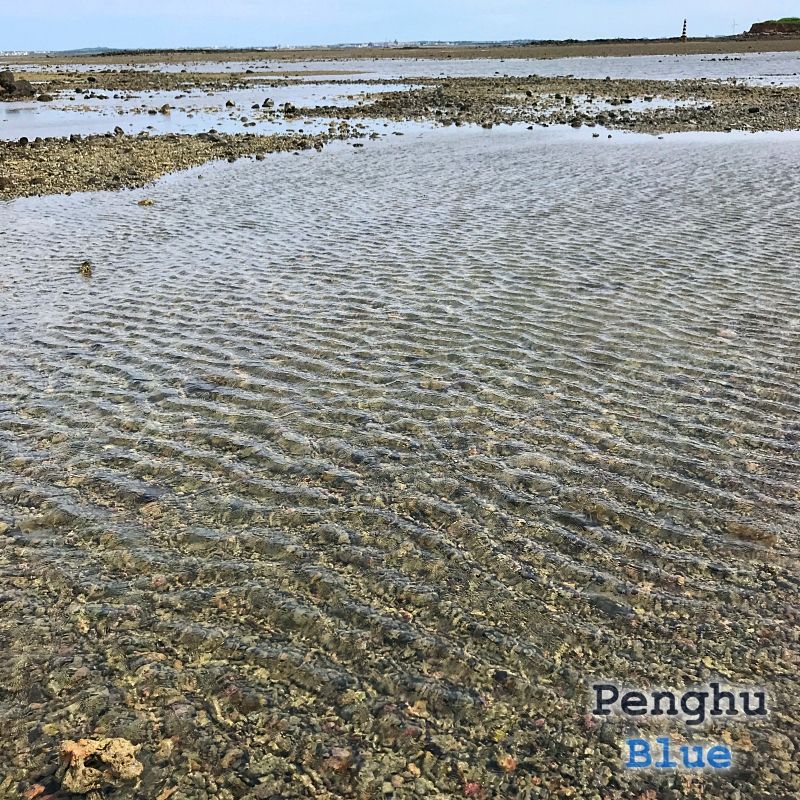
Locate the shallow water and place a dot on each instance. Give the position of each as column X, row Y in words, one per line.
column 389, row 449
column 192, row 111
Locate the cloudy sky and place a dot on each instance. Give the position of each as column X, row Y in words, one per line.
column 55, row 24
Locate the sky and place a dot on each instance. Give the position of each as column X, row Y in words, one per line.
column 59, row 25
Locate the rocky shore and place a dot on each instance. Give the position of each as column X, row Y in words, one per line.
column 116, row 160
column 71, row 82
column 636, row 105
column 93, row 163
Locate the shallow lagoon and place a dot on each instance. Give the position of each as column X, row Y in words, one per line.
column 353, row 465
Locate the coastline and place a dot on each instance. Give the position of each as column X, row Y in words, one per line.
column 544, row 50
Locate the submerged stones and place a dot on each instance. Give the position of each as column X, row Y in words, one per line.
column 89, row 765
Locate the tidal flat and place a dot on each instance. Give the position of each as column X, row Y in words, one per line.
column 67, row 127
column 341, row 473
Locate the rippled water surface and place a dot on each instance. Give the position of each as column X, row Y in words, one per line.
column 387, row 450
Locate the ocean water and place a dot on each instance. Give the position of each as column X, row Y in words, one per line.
column 385, row 452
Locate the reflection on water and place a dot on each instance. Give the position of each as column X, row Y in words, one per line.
column 381, row 452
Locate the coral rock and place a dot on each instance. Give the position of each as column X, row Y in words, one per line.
column 92, row 764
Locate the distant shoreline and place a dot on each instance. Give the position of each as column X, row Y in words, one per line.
column 534, row 50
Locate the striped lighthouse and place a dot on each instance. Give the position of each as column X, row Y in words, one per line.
column 683, row 35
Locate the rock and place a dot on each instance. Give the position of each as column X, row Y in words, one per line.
column 230, row 104
column 340, row 760
column 751, row 532
column 85, row 269
column 112, row 763
column 118, row 131
column 146, row 202
column 165, row 109
column 211, row 136
column 6, row 79
column 45, row 98
column 507, row 762
column 22, row 88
